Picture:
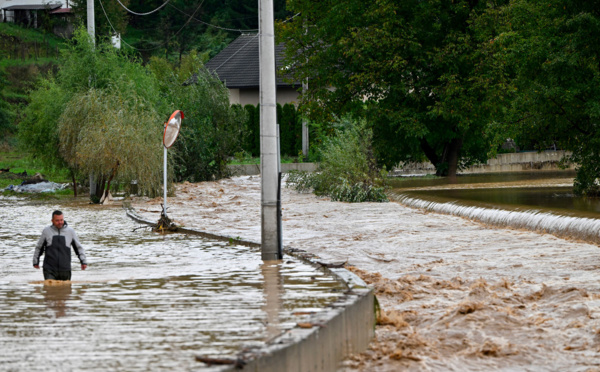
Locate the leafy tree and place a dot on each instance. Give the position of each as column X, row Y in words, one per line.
column 115, row 135
column 406, row 65
column 182, row 26
column 546, row 57
column 86, row 69
column 6, row 116
column 212, row 129
column 287, row 130
column 106, row 13
column 38, row 132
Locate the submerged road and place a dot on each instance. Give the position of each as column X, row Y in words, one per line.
column 457, row 295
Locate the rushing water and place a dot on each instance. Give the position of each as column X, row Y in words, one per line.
column 147, row 302
column 541, row 201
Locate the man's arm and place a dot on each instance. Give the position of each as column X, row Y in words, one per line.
column 79, row 251
column 39, row 250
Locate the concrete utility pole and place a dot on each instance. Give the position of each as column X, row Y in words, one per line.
column 269, row 142
column 305, row 126
column 91, row 23
column 91, row 27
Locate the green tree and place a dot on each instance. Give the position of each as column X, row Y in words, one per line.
column 107, row 14
column 6, row 116
column 105, row 132
column 546, row 57
column 206, row 25
column 212, row 129
column 85, row 69
column 406, row 65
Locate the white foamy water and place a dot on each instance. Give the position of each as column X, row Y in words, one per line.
column 587, row 229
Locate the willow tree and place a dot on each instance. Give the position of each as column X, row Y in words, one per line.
column 84, row 69
column 117, row 138
column 213, row 129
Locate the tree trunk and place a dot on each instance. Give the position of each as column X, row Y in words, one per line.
column 100, row 185
column 429, row 152
column 453, row 156
column 445, row 165
column 112, row 175
column 74, row 184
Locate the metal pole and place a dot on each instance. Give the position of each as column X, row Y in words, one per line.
column 91, row 24
column 269, row 156
column 304, row 126
column 165, row 182
column 91, row 27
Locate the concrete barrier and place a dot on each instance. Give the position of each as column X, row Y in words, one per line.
column 511, row 162
column 254, row 169
column 325, row 338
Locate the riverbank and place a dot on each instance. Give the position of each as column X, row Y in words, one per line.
column 455, row 294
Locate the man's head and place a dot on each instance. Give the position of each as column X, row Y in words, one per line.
column 58, row 219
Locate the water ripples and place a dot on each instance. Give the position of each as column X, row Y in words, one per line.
column 147, row 302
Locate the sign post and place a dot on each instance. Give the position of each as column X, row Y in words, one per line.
column 172, row 127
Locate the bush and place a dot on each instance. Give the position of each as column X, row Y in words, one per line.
column 212, row 129
column 347, row 171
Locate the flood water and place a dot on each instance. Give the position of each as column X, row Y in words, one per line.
column 540, row 200
column 147, row 302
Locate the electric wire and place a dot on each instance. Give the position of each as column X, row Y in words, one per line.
column 162, row 44
column 236, row 52
column 211, row 25
column 186, row 23
column 143, row 14
column 249, row 41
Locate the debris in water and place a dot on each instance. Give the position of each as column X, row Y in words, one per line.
column 238, row 363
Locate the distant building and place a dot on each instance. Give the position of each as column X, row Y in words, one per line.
column 238, row 67
column 33, row 14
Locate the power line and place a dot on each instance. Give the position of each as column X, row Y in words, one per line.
column 225, row 28
column 249, row 41
column 236, row 52
column 211, row 25
column 186, row 23
column 162, row 44
column 143, row 14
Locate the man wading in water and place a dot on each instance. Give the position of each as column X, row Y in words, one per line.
column 56, row 240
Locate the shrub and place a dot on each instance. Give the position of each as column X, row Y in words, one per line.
column 347, row 171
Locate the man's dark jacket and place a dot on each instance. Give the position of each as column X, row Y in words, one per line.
column 56, row 244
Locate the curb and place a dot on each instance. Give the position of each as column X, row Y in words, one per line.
column 326, row 337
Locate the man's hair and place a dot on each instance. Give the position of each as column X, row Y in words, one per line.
column 56, row 213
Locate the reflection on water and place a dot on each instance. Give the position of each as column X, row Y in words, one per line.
column 56, row 293
column 541, row 201
column 147, row 302
column 479, row 180
column 273, row 290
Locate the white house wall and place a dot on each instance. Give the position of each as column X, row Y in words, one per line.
column 252, row 97
column 234, row 96
column 9, row 13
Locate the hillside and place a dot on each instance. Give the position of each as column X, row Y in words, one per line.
column 25, row 55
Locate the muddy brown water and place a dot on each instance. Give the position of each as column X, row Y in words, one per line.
column 147, row 302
